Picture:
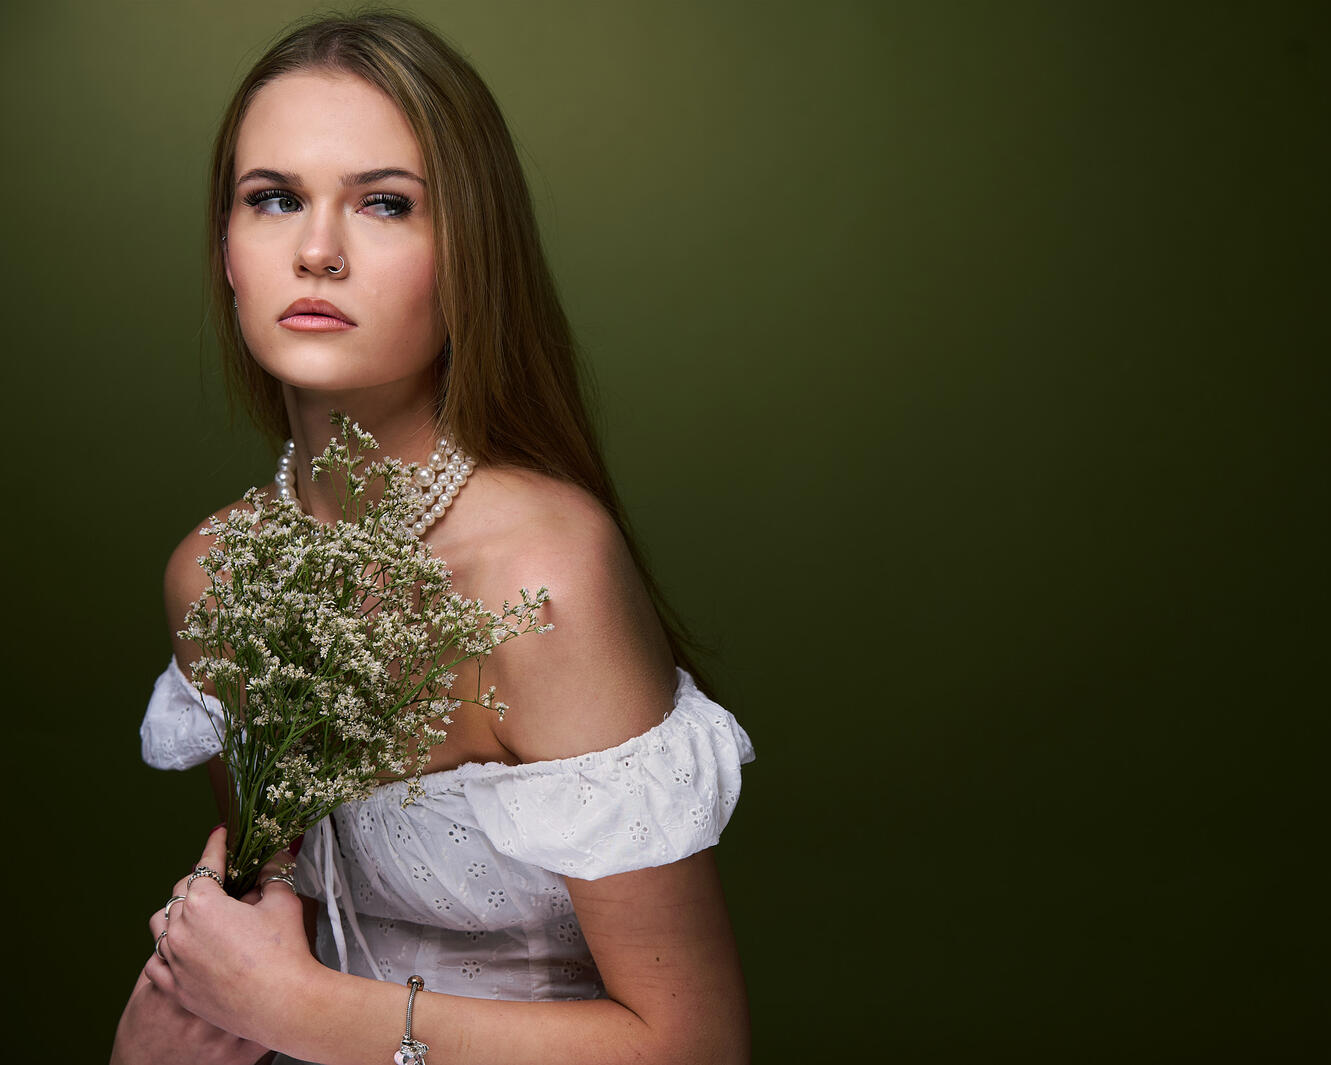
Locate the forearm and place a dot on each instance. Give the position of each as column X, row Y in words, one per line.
column 336, row 1019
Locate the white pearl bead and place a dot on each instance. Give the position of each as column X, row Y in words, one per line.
column 424, row 477
column 451, row 491
column 436, row 488
column 437, row 510
column 419, row 528
column 428, row 518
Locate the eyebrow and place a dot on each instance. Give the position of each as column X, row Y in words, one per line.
column 365, row 177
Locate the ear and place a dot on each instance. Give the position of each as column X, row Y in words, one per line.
column 226, row 261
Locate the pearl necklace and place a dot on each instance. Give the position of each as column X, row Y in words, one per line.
column 438, row 482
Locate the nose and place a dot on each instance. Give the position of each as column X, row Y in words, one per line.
column 319, row 252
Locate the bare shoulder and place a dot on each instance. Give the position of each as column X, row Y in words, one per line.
column 185, row 582
column 604, row 674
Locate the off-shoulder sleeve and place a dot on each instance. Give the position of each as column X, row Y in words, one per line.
column 178, row 729
column 654, row 799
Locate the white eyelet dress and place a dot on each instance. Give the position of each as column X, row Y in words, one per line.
column 466, row 885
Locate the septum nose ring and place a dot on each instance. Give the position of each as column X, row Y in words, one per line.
column 341, row 265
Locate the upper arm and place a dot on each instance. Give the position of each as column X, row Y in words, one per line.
column 664, row 948
column 660, row 936
column 184, row 582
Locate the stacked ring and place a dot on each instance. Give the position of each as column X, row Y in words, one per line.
column 203, row 870
column 171, row 902
column 157, row 947
column 285, row 878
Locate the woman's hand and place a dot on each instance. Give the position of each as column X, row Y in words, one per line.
column 235, row 964
column 156, row 1030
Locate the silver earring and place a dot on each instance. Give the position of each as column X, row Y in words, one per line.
column 342, row 265
column 234, row 304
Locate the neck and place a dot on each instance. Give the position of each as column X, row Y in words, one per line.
column 399, row 414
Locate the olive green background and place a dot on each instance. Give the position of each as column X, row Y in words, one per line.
column 959, row 366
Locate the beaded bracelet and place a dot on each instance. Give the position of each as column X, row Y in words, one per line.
column 412, row 1051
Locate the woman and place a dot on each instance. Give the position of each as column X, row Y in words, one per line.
column 374, row 245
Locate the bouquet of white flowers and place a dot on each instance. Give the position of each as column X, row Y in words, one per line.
column 332, row 649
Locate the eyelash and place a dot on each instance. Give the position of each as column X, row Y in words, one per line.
column 402, row 205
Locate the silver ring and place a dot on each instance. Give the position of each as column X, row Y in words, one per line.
column 284, row 878
column 342, row 267
column 157, row 947
column 171, row 902
column 203, row 870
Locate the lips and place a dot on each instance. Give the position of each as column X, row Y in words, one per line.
column 317, row 315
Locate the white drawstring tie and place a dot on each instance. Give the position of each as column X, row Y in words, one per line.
column 327, row 864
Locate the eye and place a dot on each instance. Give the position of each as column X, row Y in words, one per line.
column 387, row 204
column 272, row 201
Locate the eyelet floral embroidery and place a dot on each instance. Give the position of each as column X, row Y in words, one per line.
column 514, row 807
column 471, row 969
column 568, row 932
column 420, row 872
column 558, row 899
column 638, row 831
column 497, row 899
column 443, row 905
column 571, row 970
column 701, row 816
column 476, row 869
column 683, row 776
column 457, row 834
column 385, row 968
column 584, row 793
column 402, row 833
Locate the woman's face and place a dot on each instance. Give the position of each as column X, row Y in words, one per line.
column 328, row 171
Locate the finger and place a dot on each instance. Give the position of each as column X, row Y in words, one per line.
column 214, row 858
column 160, row 976
column 214, row 851
column 283, row 862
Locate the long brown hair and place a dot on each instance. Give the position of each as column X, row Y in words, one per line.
column 507, row 380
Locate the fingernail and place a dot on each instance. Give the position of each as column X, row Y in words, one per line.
column 296, row 844
column 217, row 826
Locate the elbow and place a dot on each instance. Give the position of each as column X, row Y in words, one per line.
column 693, row 1040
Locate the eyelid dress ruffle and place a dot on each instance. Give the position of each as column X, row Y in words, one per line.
column 465, row 885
